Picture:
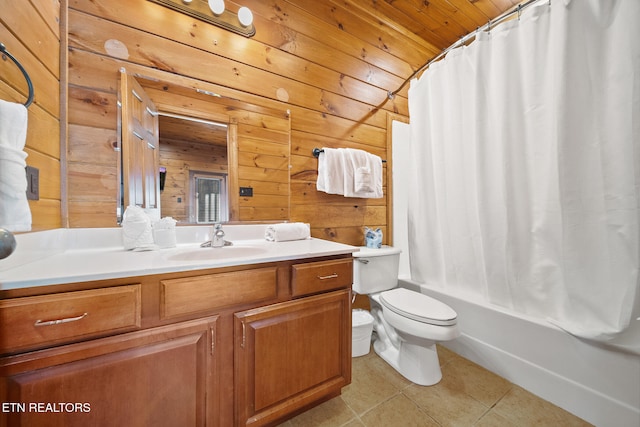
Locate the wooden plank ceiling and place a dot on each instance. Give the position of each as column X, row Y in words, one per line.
column 411, row 31
column 427, row 26
column 436, row 23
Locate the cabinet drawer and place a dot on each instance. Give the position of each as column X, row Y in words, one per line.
column 216, row 291
column 32, row 322
column 314, row 277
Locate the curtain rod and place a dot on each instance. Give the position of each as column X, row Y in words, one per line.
column 518, row 9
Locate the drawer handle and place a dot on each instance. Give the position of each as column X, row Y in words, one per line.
column 59, row 321
column 331, row 276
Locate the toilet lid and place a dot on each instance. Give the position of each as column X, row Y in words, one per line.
column 374, row 252
column 419, row 307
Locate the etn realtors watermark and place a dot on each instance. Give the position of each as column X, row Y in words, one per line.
column 45, row 407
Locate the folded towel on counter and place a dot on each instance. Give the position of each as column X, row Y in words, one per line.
column 15, row 214
column 164, row 232
column 331, row 169
column 136, row 229
column 287, row 231
column 363, row 176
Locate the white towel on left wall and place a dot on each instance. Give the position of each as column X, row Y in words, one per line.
column 15, row 214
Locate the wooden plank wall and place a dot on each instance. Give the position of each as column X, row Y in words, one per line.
column 263, row 164
column 259, row 135
column 330, row 103
column 180, row 158
column 30, row 30
column 329, row 68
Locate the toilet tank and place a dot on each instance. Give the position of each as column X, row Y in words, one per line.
column 375, row 270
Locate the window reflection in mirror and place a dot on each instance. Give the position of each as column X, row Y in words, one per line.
column 194, row 153
column 208, row 197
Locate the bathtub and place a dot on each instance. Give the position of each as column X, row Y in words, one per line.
column 598, row 383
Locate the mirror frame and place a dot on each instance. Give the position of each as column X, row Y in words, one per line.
column 246, row 113
column 163, row 106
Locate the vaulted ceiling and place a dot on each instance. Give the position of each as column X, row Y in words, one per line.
column 396, row 36
column 425, row 27
column 380, row 42
column 436, row 23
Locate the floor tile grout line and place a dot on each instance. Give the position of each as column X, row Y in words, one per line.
column 498, row 405
column 398, row 392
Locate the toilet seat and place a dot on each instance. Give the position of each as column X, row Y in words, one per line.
column 418, row 307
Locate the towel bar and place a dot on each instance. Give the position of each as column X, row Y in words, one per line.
column 316, row 153
column 4, row 51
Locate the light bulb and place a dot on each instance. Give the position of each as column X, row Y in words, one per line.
column 245, row 16
column 216, row 6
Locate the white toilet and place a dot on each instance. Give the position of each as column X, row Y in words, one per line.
column 407, row 323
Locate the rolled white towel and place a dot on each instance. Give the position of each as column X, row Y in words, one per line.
column 287, row 231
column 164, row 232
column 136, row 229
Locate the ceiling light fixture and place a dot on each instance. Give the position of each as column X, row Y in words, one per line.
column 214, row 12
column 217, row 7
column 245, row 16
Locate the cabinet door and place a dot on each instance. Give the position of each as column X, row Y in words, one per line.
column 291, row 355
column 158, row 377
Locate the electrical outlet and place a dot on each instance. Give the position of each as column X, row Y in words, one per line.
column 246, row 192
column 33, row 183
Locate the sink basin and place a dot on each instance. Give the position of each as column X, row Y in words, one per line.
column 203, row 254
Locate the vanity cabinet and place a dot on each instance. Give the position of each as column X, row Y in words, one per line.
column 246, row 345
column 163, row 376
column 217, row 291
column 291, row 355
column 38, row 321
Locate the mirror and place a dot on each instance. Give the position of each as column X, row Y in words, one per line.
column 193, row 156
column 190, row 154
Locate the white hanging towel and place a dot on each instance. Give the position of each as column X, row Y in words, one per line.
column 349, row 172
column 15, row 214
column 363, row 176
column 331, row 171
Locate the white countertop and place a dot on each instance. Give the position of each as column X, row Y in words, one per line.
column 77, row 255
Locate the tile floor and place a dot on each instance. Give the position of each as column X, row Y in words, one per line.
column 468, row 395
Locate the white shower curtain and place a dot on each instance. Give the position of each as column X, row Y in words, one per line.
column 526, row 157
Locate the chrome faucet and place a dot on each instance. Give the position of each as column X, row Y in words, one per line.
column 217, row 239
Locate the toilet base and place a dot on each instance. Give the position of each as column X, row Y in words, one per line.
column 417, row 363
column 414, row 357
